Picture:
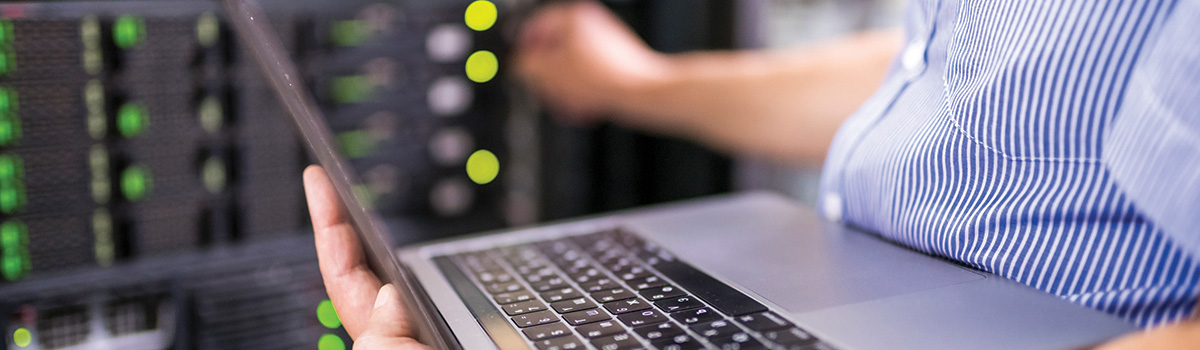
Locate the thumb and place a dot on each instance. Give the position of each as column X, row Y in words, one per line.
column 386, row 328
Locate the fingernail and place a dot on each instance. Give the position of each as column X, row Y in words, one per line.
column 385, row 294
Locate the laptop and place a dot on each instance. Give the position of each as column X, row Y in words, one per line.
column 742, row 271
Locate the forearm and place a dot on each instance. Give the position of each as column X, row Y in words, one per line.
column 783, row 105
column 1182, row 335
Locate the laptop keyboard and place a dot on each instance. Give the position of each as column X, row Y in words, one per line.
column 612, row 290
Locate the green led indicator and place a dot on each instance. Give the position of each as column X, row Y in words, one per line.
column 349, row 33
column 351, row 89
column 12, row 236
column 132, row 119
column 128, row 31
column 6, row 32
column 482, row 66
column 11, row 167
column 14, row 267
column 22, row 337
column 480, row 15
column 135, row 183
column 327, row 315
column 8, row 100
column 8, row 61
column 13, row 241
column 356, row 144
column 10, row 129
column 366, row 197
column 12, row 196
column 331, row 342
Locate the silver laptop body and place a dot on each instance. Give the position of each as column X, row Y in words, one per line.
column 849, row 289
column 767, row 272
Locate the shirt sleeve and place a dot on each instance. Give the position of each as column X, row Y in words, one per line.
column 1153, row 147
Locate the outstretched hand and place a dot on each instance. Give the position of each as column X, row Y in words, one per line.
column 582, row 60
column 371, row 312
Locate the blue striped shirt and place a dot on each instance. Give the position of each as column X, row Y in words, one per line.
column 1055, row 143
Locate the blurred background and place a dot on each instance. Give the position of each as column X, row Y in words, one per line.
column 150, row 192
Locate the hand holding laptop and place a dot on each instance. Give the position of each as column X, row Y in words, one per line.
column 373, row 315
column 375, row 319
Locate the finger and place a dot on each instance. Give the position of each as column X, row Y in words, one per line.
column 537, row 41
column 323, row 201
column 351, row 285
column 545, row 26
column 387, row 328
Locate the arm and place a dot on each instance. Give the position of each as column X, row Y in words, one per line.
column 1182, row 335
column 785, row 105
column 1153, row 152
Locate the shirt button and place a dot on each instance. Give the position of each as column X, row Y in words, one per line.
column 913, row 57
column 831, row 205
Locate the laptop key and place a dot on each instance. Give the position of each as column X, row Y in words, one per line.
column 548, row 284
column 599, row 329
column 632, row 272
column 719, row 295
column 624, row 306
column 678, row 304
column 495, row 277
column 513, row 297
column 572, row 265
column 653, row 259
column 529, row 271
column 614, row 294
column 718, row 328
column 599, row 284
column 534, row 319
column 791, row 338
column 659, row 331
column 646, row 282
column 694, row 316
column 762, row 321
column 572, row 305
column 586, row 316
column 586, row 271
column 622, row 341
column 560, row 294
column 660, row 293
column 524, row 307
column 588, row 239
column 569, row 342
column 678, row 342
column 737, row 341
column 541, row 276
column 627, row 239
column 547, row 331
column 608, row 255
column 597, row 246
column 497, row 288
column 617, row 263
column 642, row 318
column 583, row 278
column 692, row 345
column 555, row 247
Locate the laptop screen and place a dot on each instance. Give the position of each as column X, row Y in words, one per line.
column 254, row 31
